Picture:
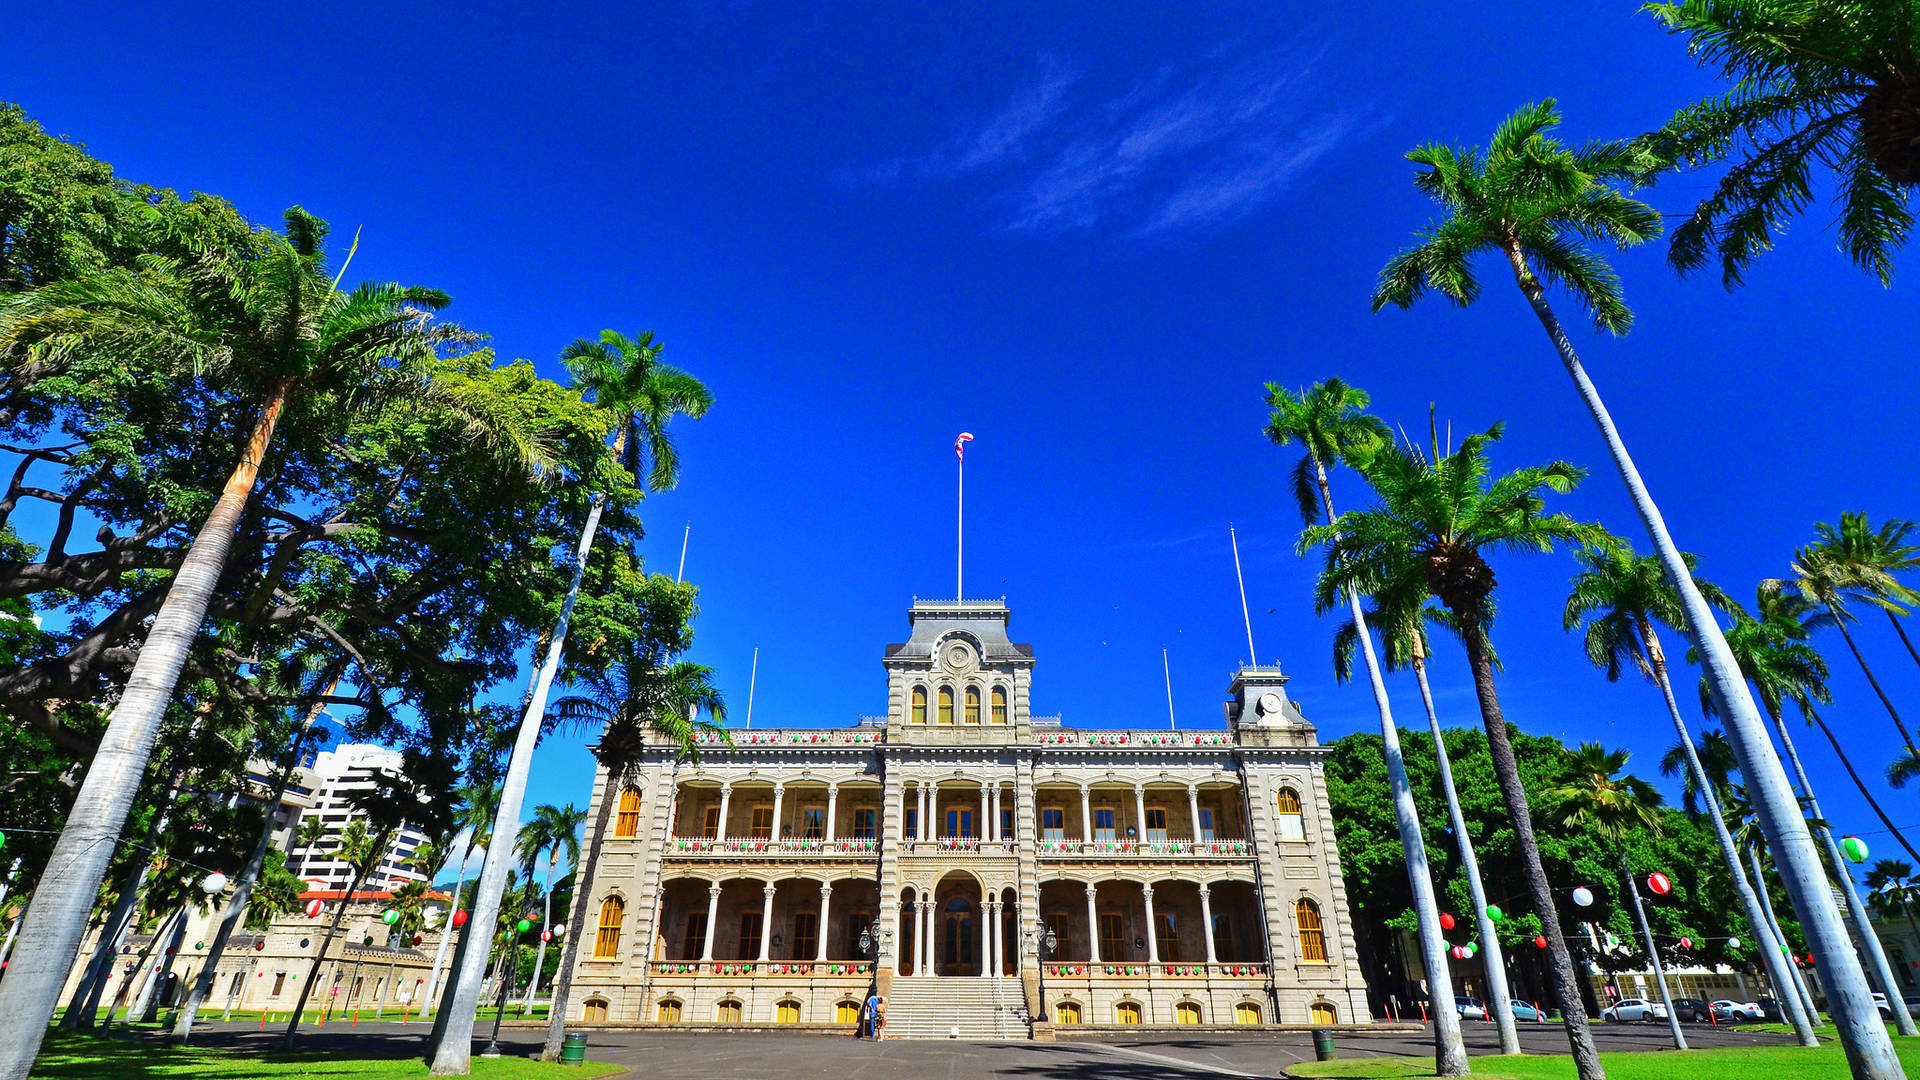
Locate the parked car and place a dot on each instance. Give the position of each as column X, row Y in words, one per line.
column 1733, row 1012
column 1886, row 1013
column 1692, row 1010
column 1628, row 1010
column 1470, row 1008
column 1524, row 1011
column 1772, row 1009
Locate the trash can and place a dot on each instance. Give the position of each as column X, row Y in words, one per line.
column 1322, row 1044
column 574, row 1050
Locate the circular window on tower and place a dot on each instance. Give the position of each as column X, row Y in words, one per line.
column 957, row 656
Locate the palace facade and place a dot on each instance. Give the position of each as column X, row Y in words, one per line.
column 994, row 873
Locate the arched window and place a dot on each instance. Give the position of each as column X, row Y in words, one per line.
column 1293, row 824
column 613, row 912
column 1322, row 1013
column 596, row 1012
column 1186, row 1012
column 946, row 704
column 669, row 1012
column 787, row 1012
column 1066, row 1012
column 728, row 1012
column 1247, row 1013
column 627, row 824
column 1126, row 1012
column 999, row 704
column 847, row 1012
column 973, row 704
column 919, row 704
column 1313, row 938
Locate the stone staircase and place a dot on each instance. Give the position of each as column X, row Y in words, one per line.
column 960, row 1007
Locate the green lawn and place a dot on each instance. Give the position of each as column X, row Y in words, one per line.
column 83, row 1057
column 1735, row 1063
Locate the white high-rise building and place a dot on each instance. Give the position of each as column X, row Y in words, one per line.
column 335, row 777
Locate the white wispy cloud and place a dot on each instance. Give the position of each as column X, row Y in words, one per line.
column 1174, row 151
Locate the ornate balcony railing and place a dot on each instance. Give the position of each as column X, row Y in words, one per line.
column 1168, row 848
column 749, row 968
column 1079, row 737
column 1058, row 970
column 789, row 848
column 864, row 736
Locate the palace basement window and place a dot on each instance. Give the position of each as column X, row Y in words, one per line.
column 669, row 1012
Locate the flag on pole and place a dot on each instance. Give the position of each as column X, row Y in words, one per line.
column 960, row 445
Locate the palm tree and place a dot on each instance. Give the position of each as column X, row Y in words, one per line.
column 625, row 378
column 1405, row 645
column 1330, row 422
column 292, row 346
column 552, row 830
column 1427, row 533
column 642, row 700
column 1835, row 83
column 1774, row 656
column 1617, row 598
column 308, row 838
column 1611, row 806
column 1855, row 563
column 1716, row 759
column 1539, row 203
column 1891, row 889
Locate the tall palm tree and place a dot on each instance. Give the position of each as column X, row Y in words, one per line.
column 642, row 700
column 1892, row 889
column 1617, row 597
column 1428, row 532
column 1873, row 559
column 625, row 378
column 1540, row 204
column 1331, row 424
column 474, row 808
column 1847, row 564
column 293, row 347
column 1834, row 83
column 1717, row 762
column 311, row 833
column 1404, row 641
column 1774, row 656
column 554, row 829
column 1599, row 800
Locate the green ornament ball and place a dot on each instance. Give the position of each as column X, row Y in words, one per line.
column 1494, row 912
column 524, row 925
column 1854, row 848
column 390, row 917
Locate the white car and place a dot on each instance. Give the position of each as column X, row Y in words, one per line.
column 1631, row 1009
column 1470, row 1008
column 1886, row 1011
column 1734, row 1011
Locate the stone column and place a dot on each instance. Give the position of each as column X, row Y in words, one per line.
column 726, row 799
column 713, row 917
column 1193, row 811
column 833, row 803
column 993, row 818
column 1086, row 813
column 989, row 912
column 925, row 831
column 1140, row 815
column 1093, row 925
column 1206, row 920
column 826, row 898
column 779, row 790
column 766, row 916
column 900, row 934
column 926, row 936
column 1153, row 939
column 986, row 801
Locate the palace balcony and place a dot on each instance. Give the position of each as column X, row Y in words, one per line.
column 1164, row 970
column 1151, row 848
column 762, row 848
column 762, row 969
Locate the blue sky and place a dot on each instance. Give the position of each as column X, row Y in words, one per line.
column 1087, row 234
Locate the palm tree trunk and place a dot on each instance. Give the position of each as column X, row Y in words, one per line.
column 333, row 929
column 79, row 860
column 1499, row 999
column 546, row 917
column 243, row 886
column 1904, row 639
column 1869, row 1051
column 1821, row 722
column 127, row 983
column 1776, row 964
column 463, row 844
column 453, row 1057
column 84, row 1007
column 1840, row 622
column 1875, row 956
column 147, row 1007
column 1449, row 1050
column 577, row 923
column 1586, row 1058
column 1653, row 952
column 1798, row 986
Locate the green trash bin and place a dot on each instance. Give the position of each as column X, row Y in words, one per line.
column 1322, row 1044
column 574, row 1050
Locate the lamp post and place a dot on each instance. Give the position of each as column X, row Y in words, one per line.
column 1048, row 942
column 506, row 988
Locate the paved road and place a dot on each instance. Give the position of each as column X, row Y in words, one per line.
column 799, row 1056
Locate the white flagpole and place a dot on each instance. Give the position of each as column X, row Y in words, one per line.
column 751, row 679
column 960, row 530
column 1164, row 670
column 1253, row 658
column 677, row 574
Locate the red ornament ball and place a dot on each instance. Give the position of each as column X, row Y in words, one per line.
column 260, row 946
column 1446, row 920
column 1540, row 942
column 417, row 939
column 459, row 918
column 1658, row 882
column 546, row 935
column 1686, row 943
column 314, row 907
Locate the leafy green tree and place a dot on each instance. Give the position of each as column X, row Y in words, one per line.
column 1331, row 423
column 1541, row 204
column 1613, row 806
column 647, row 699
column 1834, row 84
column 1427, row 533
column 554, row 829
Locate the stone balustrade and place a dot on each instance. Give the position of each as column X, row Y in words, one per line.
column 763, row 969
column 777, row 737
column 1171, row 847
column 1079, row 737
column 683, row 846
column 1163, row 970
